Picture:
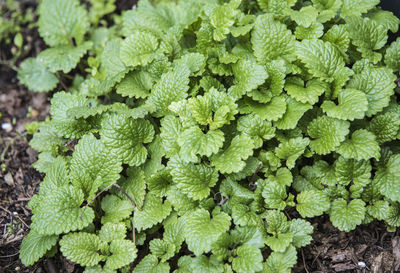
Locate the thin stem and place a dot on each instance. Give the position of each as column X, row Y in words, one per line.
column 124, row 193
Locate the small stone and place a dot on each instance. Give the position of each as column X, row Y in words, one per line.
column 6, row 127
column 362, row 264
column 9, row 179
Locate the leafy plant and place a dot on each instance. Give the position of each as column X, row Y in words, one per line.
column 215, row 120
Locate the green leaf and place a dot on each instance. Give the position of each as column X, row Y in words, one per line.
column 134, row 185
column 112, row 231
column 222, row 18
column 201, row 231
column 379, row 209
column 275, row 6
column 249, row 259
column 392, row 56
column 280, row 242
column 352, row 105
column 256, row 128
column 305, row 16
column 61, row 21
column 59, row 212
column 150, row 264
column 138, row 48
column 203, row 264
column 245, row 81
column 46, row 139
column 193, row 180
column 63, row 57
column 162, row 249
column 271, row 111
column 312, row 203
column 294, row 111
column 323, row 61
column 34, row 246
column 387, row 178
column 115, row 209
column 274, row 195
column 172, row 87
column 281, row 262
column 291, row 150
column 271, row 40
column 346, row 216
column 170, row 131
column 82, row 248
column 367, row 36
column 160, row 183
column 294, row 86
column 194, row 142
column 136, row 84
column 362, row 145
column 378, row 84
column 231, row 160
column 357, row 7
column 123, row 252
column 153, row 212
column 34, row 74
column 301, row 230
column 93, row 166
column 385, row 126
column 125, row 138
column 243, row 216
column 328, row 133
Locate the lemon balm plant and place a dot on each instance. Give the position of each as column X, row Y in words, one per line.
column 214, row 121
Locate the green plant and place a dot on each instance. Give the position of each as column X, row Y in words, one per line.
column 214, row 121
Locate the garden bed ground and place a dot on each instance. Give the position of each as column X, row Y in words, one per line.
column 367, row 249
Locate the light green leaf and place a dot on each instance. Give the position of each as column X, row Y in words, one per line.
column 385, row 126
column 231, row 160
column 362, row 145
column 367, row 36
column 245, row 81
column 305, row 16
column 125, row 137
column 59, row 211
column 328, row 133
column 115, row 209
column 312, row 203
column 271, row 111
column 203, row 264
column 34, row 246
column 63, row 57
column 346, row 216
column 34, row 75
column 123, row 252
column 61, row 21
column 294, row 111
column 323, row 61
column 387, row 178
column 294, row 86
column 271, row 40
column 274, row 195
column 112, row 231
column 281, row 262
column 352, row 105
column 82, row 248
column 256, row 128
column 357, row 7
column 280, row 242
column 379, row 209
column 249, row 259
column 93, row 166
column 193, row 180
column 136, row 84
column 301, row 230
column 194, row 142
column 150, row 264
column 153, row 212
column 201, row 231
column 291, row 150
column 138, row 48
column 162, row 249
column 392, row 56
column 378, row 84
